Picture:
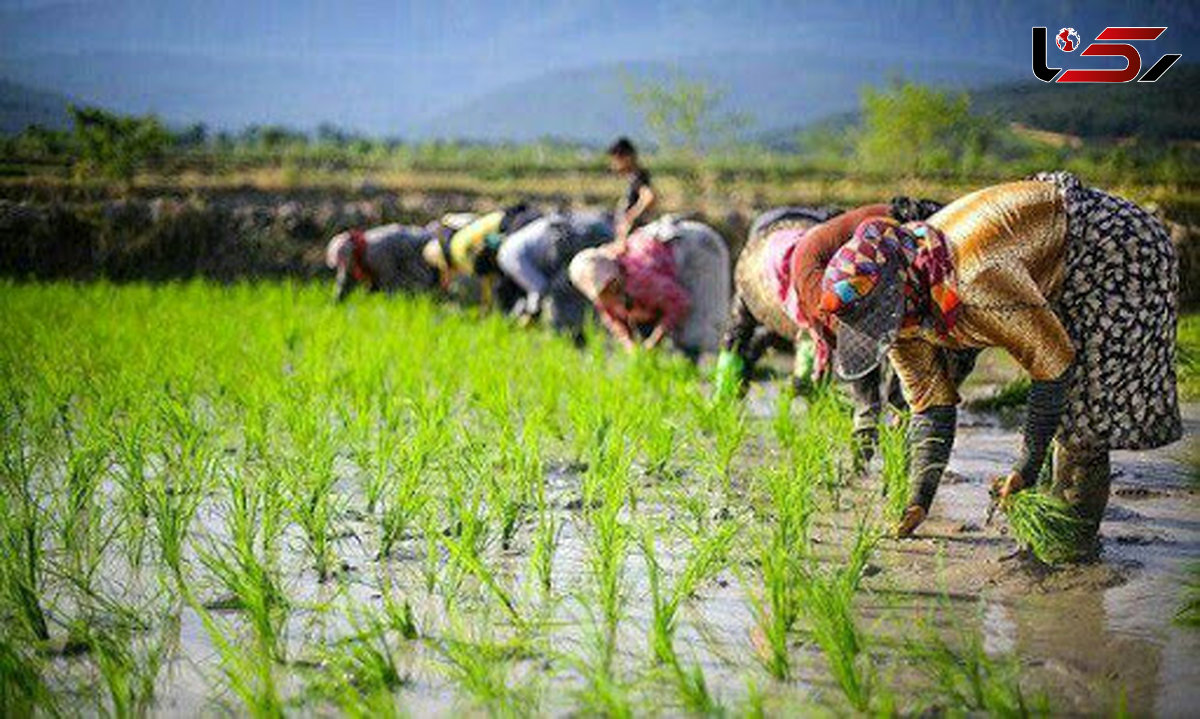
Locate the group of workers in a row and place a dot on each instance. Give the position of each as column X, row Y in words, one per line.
column 898, row 298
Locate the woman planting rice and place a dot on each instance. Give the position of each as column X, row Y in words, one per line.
column 470, row 251
column 536, row 257
column 1077, row 285
column 777, row 302
column 384, row 258
column 764, row 312
column 672, row 276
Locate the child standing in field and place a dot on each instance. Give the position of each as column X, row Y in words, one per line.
column 633, row 209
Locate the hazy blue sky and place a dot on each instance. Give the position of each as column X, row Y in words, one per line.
column 395, row 65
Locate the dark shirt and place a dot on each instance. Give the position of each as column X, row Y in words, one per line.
column 640, row 179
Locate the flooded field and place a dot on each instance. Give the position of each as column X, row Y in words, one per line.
column 244, row 499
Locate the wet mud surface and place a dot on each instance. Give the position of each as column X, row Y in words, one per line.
column 1084, row 635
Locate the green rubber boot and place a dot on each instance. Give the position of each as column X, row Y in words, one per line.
column 727, row 381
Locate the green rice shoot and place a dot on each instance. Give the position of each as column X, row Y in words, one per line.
column 1045, row 524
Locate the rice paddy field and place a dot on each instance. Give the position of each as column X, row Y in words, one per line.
column 246, row 500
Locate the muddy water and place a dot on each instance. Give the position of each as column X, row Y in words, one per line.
column 1085, row 632
column 1082, row 634
column 1110, row 622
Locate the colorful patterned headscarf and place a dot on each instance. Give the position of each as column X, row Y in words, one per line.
column 930, row 283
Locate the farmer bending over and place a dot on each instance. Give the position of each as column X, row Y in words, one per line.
column 470, row 251
column 1077, row 285
column 672, row 277
column 536, row 258
column 777, row 303
column 384, row 258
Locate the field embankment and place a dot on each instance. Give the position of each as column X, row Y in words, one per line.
column 271, row 221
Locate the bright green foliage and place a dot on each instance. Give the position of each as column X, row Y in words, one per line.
column 1046, row 524
column 349, row 508
column 893, row 447
column 684, row 112
column 828, row 600
column 918, row 130
column 965, row 676
column 1189, row 358
column 116, row 146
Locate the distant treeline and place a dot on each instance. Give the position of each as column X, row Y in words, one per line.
column 906, row 130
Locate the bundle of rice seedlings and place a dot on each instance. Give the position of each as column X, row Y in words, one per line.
column 1045, row 524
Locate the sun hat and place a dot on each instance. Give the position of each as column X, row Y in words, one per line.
column 591, row 271
column 434, row 255
column 338, row 248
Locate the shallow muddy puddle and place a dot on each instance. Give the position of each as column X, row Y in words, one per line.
column 1083, row 635
column 1088, row 631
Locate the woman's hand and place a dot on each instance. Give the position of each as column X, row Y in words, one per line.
column 656, row 337
column 1008, row 485
column 624, row 337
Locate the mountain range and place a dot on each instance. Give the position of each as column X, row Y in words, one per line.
column 514, row 70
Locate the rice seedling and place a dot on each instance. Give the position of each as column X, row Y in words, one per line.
column 129, row 441
column 690, row 684
column 754, row 705
column 77, row 527
column 603, row 693
column 403, row 500
column 308, row 478
column 664, row 604
column 893, row 447
column 775, row 611
column 432, row 559
column 362, row 671
column 462, row 553
column 1045, row 524
column 399, row 615
column 727, row 424
column 175, row 491
column 607, row 542
column 1189, row 613
column 546, row 534
column 781, row 561
column 784, row 425
column 466, row 533
column 388, row 505
column 659, row 438
column 828, row 605
column 23, row 687
column 23, row 540
column 244, row 573
column 249, row 673
column 507, row 503
column 373, row 448
column 483, row 668
column 963, row 675
column 129, row 676
column 824, row 445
